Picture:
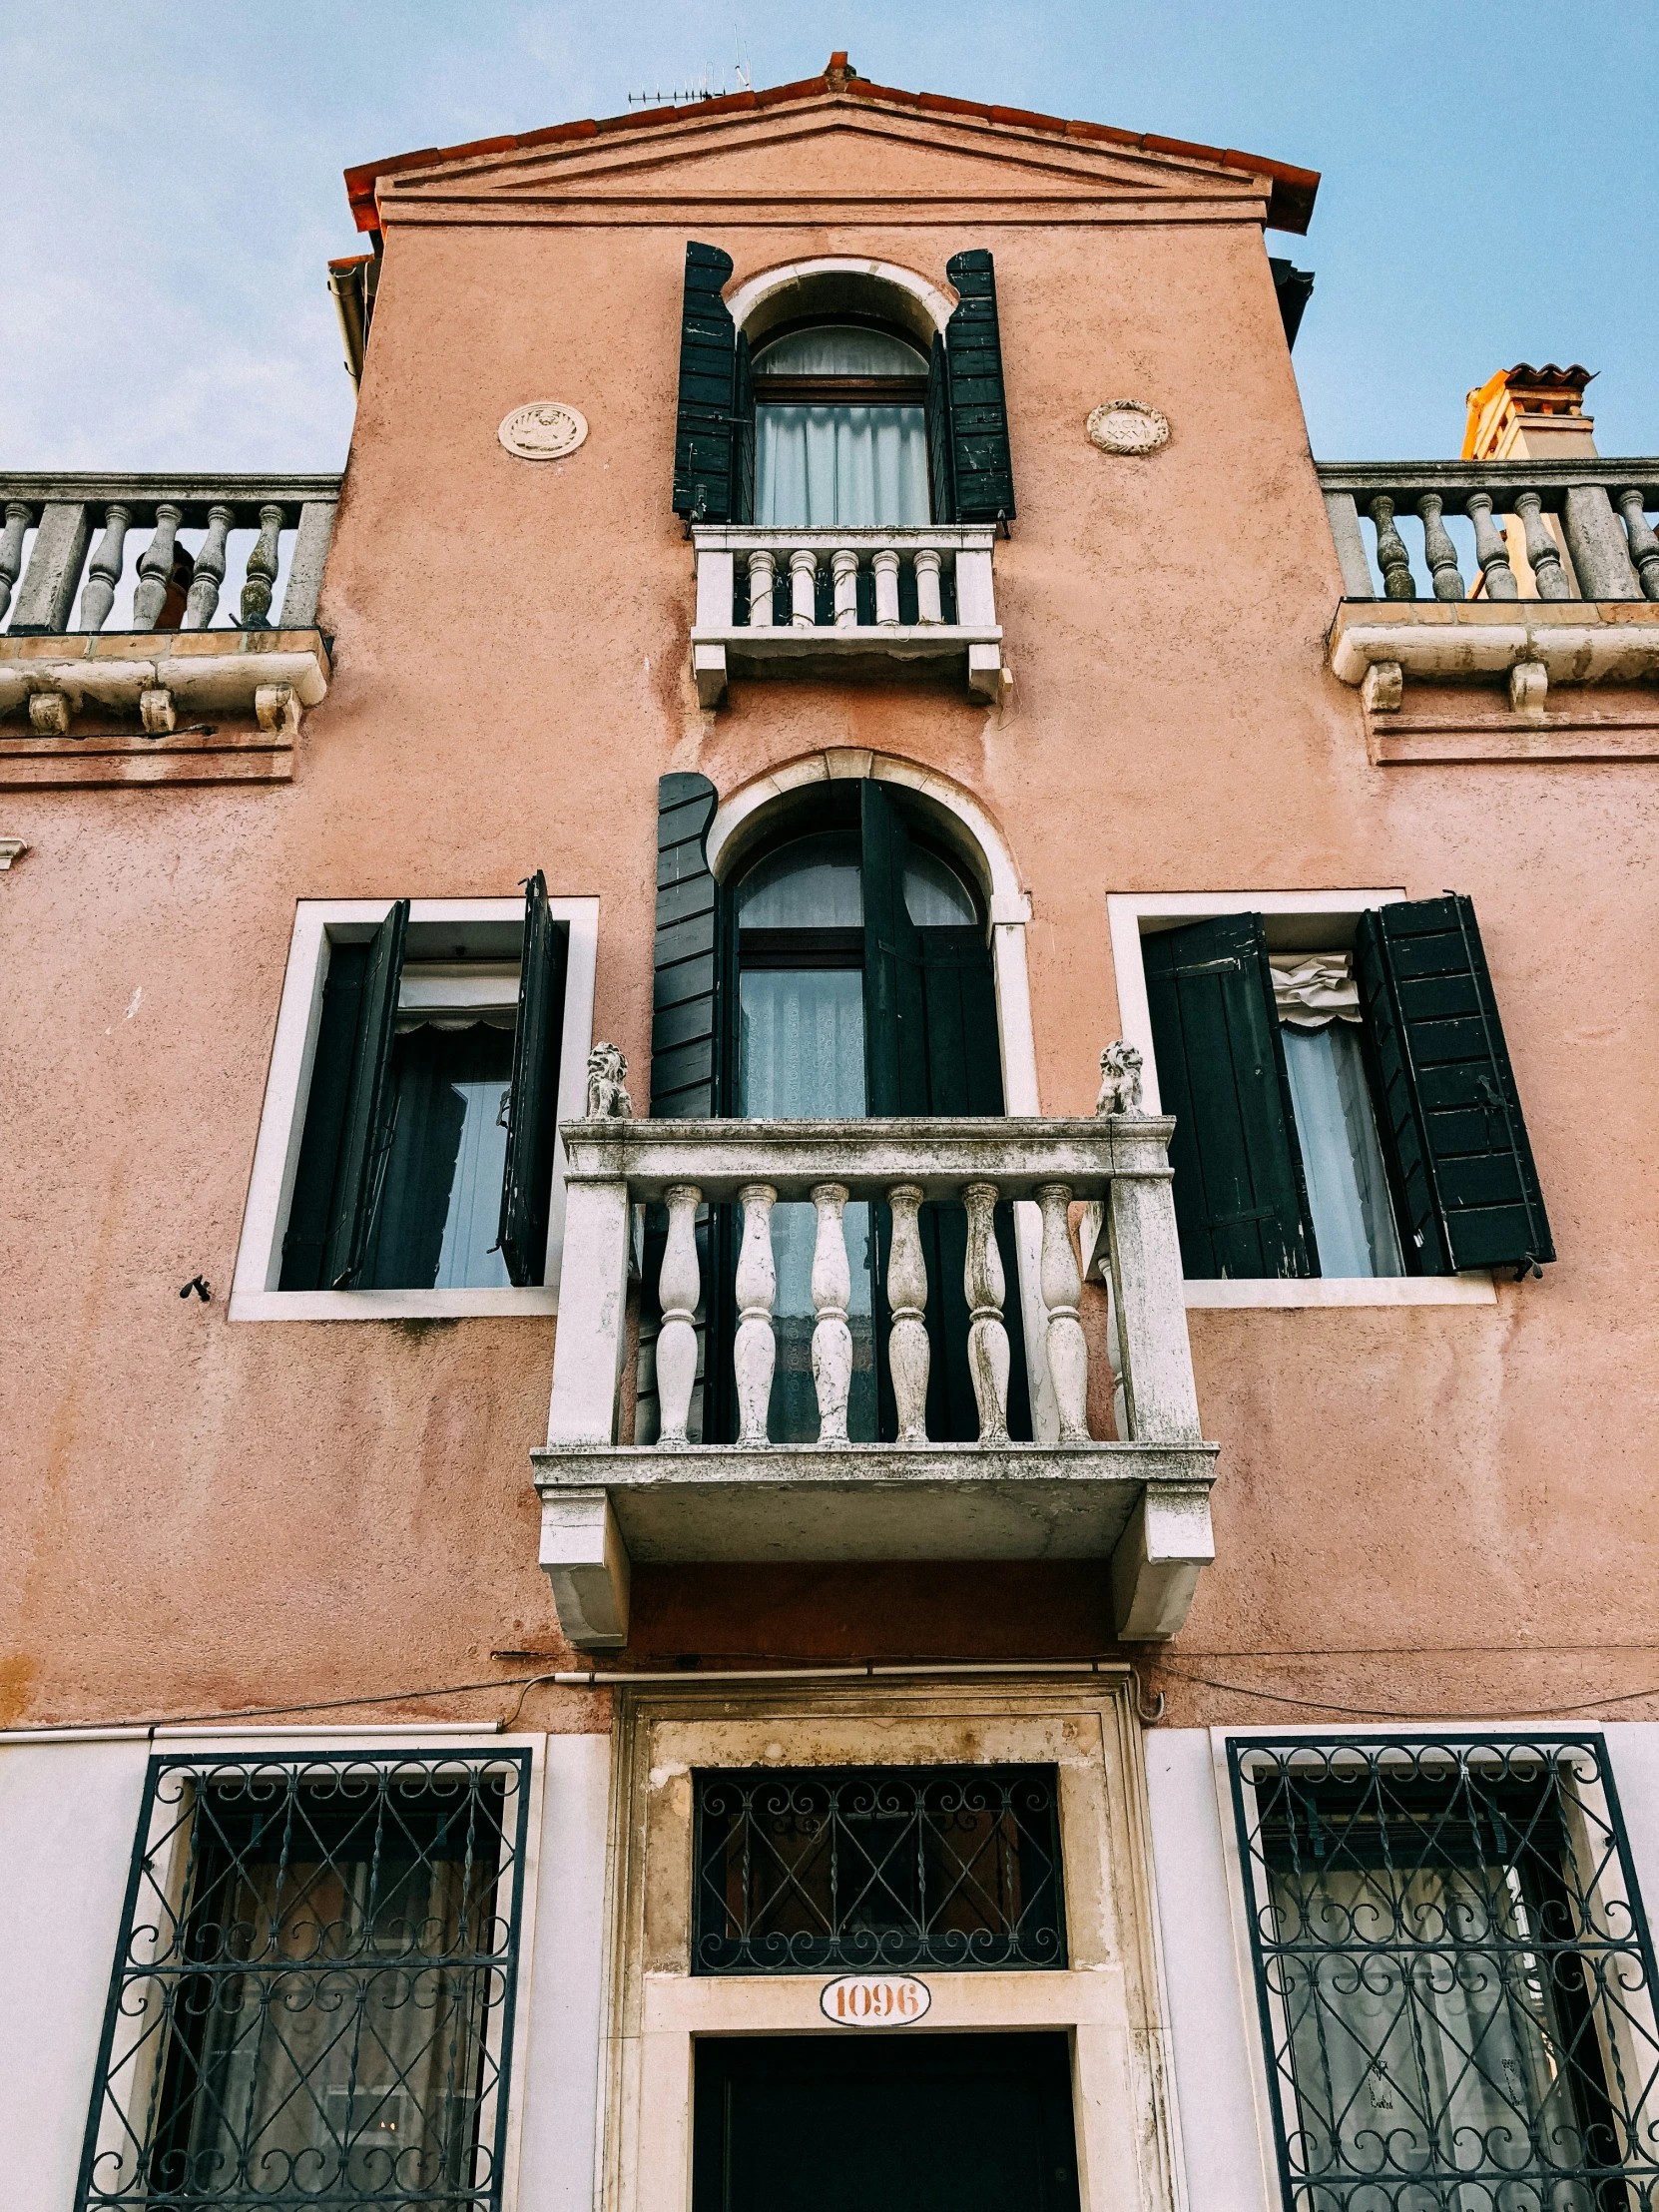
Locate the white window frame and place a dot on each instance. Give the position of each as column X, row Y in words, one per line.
column 1126, row 915
column 253, row 1294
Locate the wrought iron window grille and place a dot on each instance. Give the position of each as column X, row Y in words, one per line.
column 811, row 1870
column 1455, row 1975
column 313, row 1996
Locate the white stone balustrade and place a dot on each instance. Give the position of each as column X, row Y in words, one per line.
column 1139, row 1501
column 67, row 537
column 855, row 624
column 1561, row 588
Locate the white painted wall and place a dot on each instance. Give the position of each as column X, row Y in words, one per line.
column 68, row 1816
column 1215, row 2037
column 557, row 2074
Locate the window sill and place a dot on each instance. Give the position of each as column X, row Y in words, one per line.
column 477, row 1305
column 1345, row 1289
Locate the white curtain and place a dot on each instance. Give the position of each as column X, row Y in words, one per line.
column 1347, row 1189
column 818, row 464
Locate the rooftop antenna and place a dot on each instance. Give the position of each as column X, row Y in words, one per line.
column 711, row 87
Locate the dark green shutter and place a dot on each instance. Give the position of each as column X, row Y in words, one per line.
column 684, row 1012
column 1447, row 1105
column 533, row 1102
column 930, row 1042
column 1294, row 289
column 941, row 491
column 313, row 1207
column 981, row 464
column 742, row 434
column 371, row 1108
column 1241, row 1199
column 703, row 443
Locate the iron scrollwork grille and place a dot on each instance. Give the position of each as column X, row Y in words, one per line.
column 1455, row 1977
column 313, row 1998
column 836, row 1869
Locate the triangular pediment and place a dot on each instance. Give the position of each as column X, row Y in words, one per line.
column 828, row 154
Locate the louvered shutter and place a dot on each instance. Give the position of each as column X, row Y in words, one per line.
column 742, row 434
column 930, row 1033
column 1446, row 1104
column 533, row 1100
column 1294, row 289
column 312, row 1210
column 371, row 1108
column 1241, row 1199
column 704, row 445
column 684, row 1000
column 982, row 469
column 941, row 490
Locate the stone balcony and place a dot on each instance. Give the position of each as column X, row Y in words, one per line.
column 846, row 603
column 1139, row 1503
column 1522, row 576
column 84, row 702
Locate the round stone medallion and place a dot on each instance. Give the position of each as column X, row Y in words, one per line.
column 1128, row 426
column 545, row 430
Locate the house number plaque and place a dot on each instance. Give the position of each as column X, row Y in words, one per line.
column 874, row 2000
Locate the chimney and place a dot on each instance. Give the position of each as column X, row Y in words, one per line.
column 1531, row 414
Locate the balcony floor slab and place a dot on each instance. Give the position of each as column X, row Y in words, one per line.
column 698, row 1503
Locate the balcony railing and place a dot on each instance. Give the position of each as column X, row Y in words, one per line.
column 1141, row 1502
column 845, row 602
column 79, row 553
column 1529, row 572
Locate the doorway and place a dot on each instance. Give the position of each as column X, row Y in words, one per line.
column 929, row 2123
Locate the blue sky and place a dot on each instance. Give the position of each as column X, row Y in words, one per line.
column 172, row 182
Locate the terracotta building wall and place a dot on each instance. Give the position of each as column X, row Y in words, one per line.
column 202, row 1514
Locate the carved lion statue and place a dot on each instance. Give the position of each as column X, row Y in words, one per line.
column 608, row 1098
column 1120, row 1080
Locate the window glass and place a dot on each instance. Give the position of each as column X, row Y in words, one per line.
column 860, row 463
column 839, row 350
column 441, row 1205
column 935, row 898
column 1347, row 1191
column 811, row 883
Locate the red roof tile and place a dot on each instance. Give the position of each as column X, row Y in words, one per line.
column 1290, row 201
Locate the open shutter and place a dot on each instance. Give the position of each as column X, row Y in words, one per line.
column 533, row 1102
column 941, row 490
column 683, row 1029
column 1294, row 289
column 930, row 1044
column 1446, row 1104
column 371, row 1108
column 982, row 469
column 703, row 440
column 742, row 434
column 312, row 1210
column 1241, row 1199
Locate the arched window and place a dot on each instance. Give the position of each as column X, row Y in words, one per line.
column 840, row 428
column 858, row 980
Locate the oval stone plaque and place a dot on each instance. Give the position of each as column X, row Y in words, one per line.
column 1127, row 426
column 545, row 430
column 875, row 1999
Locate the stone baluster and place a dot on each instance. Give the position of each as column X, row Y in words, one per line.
column 762, row 570
column 985, row 1285
column 1438, row 550
column 262, row 571
column 802, row 589
column 1542, row 552
column 885, row 565
column 104, row 569
column 843, row 567
column 11, row 550
column 832, row 1294
column 677, row 1289
column 1644, row 546
column 209, row 571
column 755, row 1353
column 1391, row 556
column 1491, row 548
column 908, row 1352
column 156, row 567
column 1068, row 1354
column 928, row 605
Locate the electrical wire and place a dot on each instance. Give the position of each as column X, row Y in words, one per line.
column 1374, row 1713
